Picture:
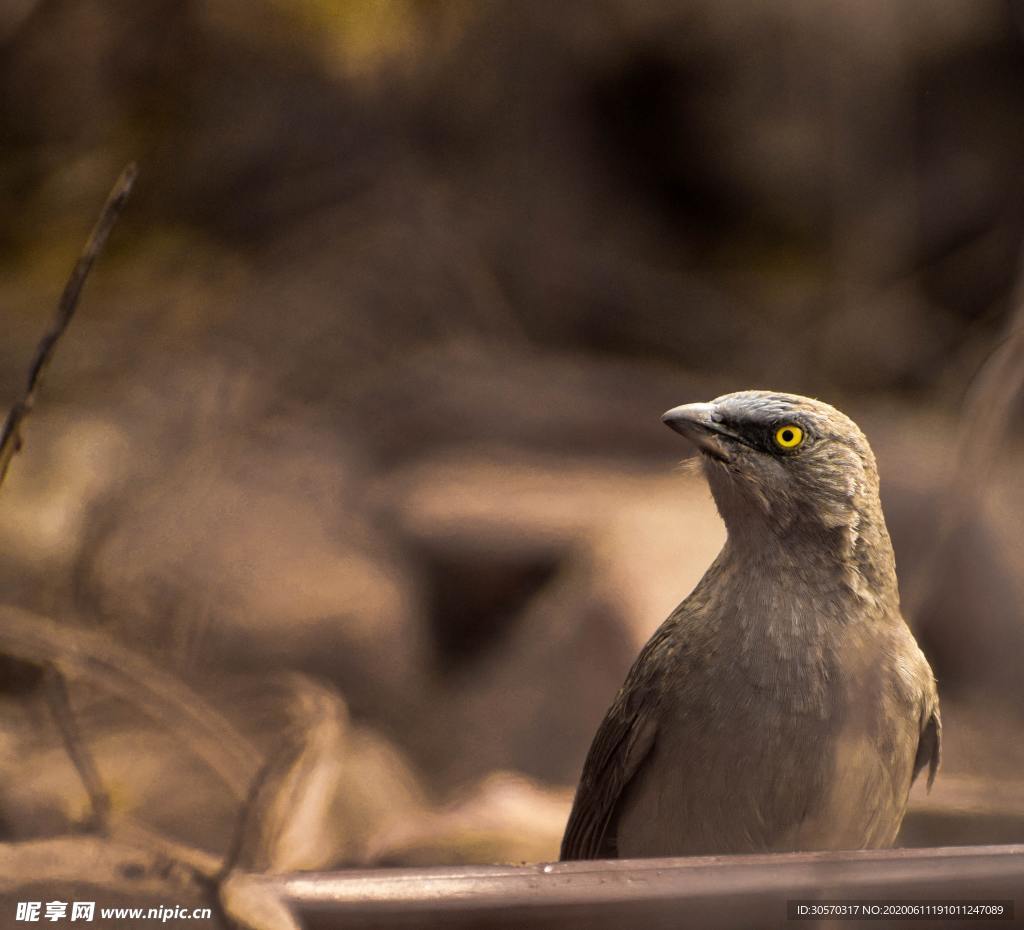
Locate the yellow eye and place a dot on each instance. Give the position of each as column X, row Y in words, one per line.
column 789, row 436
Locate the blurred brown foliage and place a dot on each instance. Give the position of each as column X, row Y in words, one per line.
column 367, row 385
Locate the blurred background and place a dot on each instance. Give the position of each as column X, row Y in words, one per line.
column 357, row 431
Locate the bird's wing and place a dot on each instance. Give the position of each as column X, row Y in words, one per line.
column 622, row 742
column 929, row 747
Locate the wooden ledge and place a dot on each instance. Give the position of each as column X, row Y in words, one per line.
column 707, row 892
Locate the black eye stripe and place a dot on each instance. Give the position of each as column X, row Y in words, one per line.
column 769, row 434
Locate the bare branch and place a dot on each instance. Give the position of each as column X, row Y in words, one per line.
column 54, row 686
column 252, row 905
column 204, row 866
column 285, row 824
column 55, row 689
column 117, row 867
column 93, row 656
column 10, row 437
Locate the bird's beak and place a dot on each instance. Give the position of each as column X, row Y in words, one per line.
column 702, row 425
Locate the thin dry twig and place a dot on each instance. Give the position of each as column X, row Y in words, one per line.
column 251, row 904
column 204, row 866
column 61, row 652
column 95, row 657
column 53, row 684
column 10, row 437
column 117, row 867
column 55, row 689
column 284, row 824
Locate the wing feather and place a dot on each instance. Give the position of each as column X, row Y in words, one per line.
column 929, row 747
column 622, row 743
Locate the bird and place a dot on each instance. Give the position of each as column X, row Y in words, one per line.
column 784, row 705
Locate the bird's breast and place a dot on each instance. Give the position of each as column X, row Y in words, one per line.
column 777, row 741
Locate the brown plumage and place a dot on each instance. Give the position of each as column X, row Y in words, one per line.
column 784, row 704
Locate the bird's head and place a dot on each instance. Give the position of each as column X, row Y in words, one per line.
column 786, row 463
